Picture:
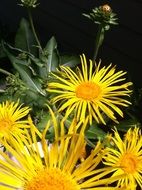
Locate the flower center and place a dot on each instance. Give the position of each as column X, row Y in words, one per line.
column 4, row 124
column 129, row 163
column 52, row 179
column 88, row 91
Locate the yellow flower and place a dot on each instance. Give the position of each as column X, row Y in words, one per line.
column 126, row 158
column 59, row 167
column 92, row 93
column 11, row 114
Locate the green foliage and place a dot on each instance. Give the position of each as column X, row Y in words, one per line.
column 31, row 68
column 127, row 124
column 95, row 132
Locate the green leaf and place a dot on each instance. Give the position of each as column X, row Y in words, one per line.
column 24, row 38
column 43, row 121
column 127, row 124
column 35, row 100
column 69, row 60
column 95, row 132
column 2, row 91
column 50, row 58
column 14, row 59
column 25, row 73
column 32, row 83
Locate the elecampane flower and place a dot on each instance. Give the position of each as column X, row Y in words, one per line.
column 126, row 158
column 11, row 118
column 90, row 92
column 59, row 167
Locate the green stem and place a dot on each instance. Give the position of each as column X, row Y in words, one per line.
column 33, row 28
column 4, row 72
column 99, row 40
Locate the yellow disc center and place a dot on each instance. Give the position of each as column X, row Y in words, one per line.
column 88, row 91
column 129, row 163
column 52, row 179
column 4, row 124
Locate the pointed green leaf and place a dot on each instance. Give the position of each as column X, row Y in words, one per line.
column 32, row 83
column 24, row 38
column 52, row 57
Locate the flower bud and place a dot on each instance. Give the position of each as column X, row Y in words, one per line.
column 29, row 3
column 106, row 8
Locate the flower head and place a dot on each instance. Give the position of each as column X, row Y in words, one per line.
column 92, row 93
column 11, row 115
column 126, row 158
column 59, row 166
column 103, row 15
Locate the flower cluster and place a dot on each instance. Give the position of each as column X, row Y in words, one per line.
column 57, row 141
column 41, row 164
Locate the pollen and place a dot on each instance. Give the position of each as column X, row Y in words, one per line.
column 129, row 163
column 88, row 91
column 52, row 179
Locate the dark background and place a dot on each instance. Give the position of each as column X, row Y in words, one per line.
column 76, row 34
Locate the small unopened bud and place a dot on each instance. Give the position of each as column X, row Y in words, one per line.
column 106, row 8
